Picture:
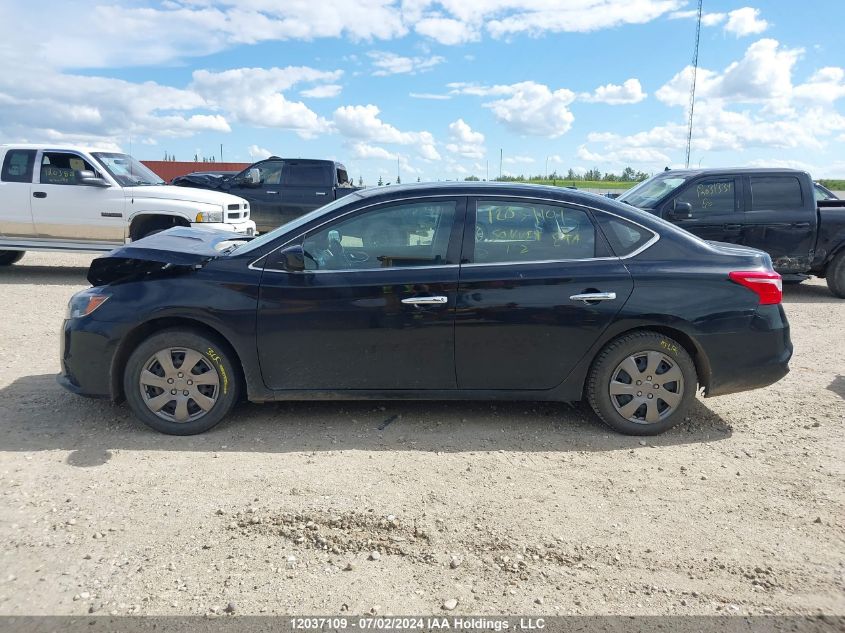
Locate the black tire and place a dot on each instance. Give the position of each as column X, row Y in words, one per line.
column 208, row 355
column 7, row 258
column 836, row 275
column 669, row 356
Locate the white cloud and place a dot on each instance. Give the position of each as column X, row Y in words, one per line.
column 557, row 16
column 429, row 95
column 258, row 153
column 764, row 74
column 745, row 21
column 363, row 123
column 40, row 104
column 464, row 141
column 631, row 91
column 826, row 85
column 530, row 108
column 447, row 31
column 392, row 64
column 752, row 103
column 519, row 160
column 325, row 91
column 255, row 96
column 707, row 19
column 366, row 151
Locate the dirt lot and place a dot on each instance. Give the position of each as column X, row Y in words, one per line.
column 510, row 508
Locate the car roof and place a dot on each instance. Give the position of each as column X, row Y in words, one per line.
column 721, row 171
column 56, row 147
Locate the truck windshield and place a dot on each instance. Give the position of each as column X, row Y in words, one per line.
column 646, row 194
column 127, row 171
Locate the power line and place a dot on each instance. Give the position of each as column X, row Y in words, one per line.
column 694, row 75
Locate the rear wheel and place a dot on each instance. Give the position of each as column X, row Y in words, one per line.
column 642, row 383
column 836, row 275
column 7, row 258
column 181, row 382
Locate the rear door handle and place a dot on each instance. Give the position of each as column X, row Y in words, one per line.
column 733, row 227
column 272, row 192
column 320, row 193
column 801, row 225
column 587, row 297
column 425, row 301
column 39, row 194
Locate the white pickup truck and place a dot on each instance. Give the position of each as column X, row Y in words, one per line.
column 82, row 199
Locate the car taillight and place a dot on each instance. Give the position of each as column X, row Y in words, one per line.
column 767, row 285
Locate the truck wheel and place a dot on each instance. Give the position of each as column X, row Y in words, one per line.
column 836, row 276
column 7, row 258
column 181, row 382
column 642, row 383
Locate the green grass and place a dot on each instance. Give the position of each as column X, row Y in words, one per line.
column 834, row 185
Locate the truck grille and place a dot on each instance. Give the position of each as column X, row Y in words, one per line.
column 237, row 212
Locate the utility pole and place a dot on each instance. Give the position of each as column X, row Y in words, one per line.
column 500, row 162
column 546, row 175
column 221, row 152
column 398, row 175
column 694, row 75
column 487, row 171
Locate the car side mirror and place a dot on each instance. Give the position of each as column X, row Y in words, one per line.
column 292, row 258
column 90, row 178
column 681, row 211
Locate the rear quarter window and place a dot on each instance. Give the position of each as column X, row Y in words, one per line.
column 624, row 237
column 17, row 165
column 776, row 193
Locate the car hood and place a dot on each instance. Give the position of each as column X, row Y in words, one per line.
column 184, row 194
column 174, row 251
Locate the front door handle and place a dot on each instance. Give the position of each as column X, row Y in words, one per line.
column 733, row 227
column 589, row 297
column 425, row 301
column 801, row 225
column 272, row 192
column 320, row 193
column 39, row 194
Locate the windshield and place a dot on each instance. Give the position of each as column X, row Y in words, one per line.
column 127, row 171
column 266, row 238
column 648, row 193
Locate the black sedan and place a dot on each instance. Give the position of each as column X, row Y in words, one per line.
column 589, row 298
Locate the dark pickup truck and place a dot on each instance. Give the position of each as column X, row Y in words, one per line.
column 774, row 210
column 278, row 189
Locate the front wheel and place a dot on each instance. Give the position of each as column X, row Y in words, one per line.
column 7, row 258
column 642, row 383
column 181, row 382
column 836, row 276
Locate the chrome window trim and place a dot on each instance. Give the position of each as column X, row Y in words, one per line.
column 655, row 236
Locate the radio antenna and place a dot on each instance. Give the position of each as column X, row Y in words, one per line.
column 694, row 75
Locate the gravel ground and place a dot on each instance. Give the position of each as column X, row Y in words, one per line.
column 511, row 508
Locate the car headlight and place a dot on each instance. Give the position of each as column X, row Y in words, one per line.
column 210, row 216
column 84, row 303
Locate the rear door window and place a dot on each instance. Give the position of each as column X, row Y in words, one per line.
column 306, row 175
column 17, row 166
column 510, row 232
column 710, row 196
column 776, row 193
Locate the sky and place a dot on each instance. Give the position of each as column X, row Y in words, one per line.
column 433, row 90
